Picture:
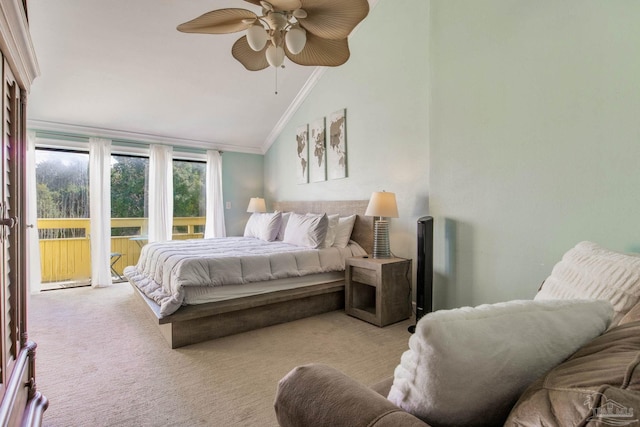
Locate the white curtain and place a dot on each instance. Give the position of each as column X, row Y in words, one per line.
column 214, row 223
column 160, row 193
column 34, row 275
column 100, row 210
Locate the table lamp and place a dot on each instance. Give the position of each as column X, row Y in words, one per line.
column 382, row 205
column 256, row 204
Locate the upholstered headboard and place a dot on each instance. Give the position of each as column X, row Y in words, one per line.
column 363, row 227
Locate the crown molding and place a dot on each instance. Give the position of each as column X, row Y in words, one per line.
column 16, row 44
column 302, row 95
column 293, row 107
column 90, row 131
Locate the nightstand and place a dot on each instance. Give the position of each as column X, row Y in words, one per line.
column 378, row 291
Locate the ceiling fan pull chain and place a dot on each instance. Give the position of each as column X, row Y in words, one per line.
column 276, row 80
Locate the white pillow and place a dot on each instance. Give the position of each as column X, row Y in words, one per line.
column 591, row 271
column 468, row 366
column 306, row 230
column 343, row 231
column 331, row 230
column 283, row 225
column 263, row 226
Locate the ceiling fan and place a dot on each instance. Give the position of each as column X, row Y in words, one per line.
column 308, row 32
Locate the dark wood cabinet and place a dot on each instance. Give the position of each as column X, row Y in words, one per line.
column 22, row 404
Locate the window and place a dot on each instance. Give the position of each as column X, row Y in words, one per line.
column 129, row 193
column 188, row 196
column 63, row 210
column 63, row 189
column 62, row 179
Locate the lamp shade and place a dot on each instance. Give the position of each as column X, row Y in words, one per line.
column 382, row 204
column 257, row 204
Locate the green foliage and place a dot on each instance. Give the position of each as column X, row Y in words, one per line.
column 47, row 207
column 188, row 189
column 63, row 186
column 128, row 187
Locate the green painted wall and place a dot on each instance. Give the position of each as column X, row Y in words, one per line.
column 242, row 178
column 513, row 122
column 534, row 137
column 383, row 88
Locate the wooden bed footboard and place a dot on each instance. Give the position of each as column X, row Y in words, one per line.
column 197, row 323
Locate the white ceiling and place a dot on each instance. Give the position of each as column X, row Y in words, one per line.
column 121, row 65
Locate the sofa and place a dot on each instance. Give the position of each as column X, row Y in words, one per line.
column 597, row 383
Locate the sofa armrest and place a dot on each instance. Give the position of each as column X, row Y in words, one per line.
column 632, row 315
column 319, row 395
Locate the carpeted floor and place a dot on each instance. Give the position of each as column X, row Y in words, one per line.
column 102, row 362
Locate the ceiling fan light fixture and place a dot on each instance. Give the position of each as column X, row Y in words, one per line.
column 296, row 39
column 257, row 36
column 312, row 34
column 275, row 55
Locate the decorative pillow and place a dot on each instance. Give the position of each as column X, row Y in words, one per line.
column 306, row 230
column 343, row 231
column 591, row 271
column 468, row 366
column 331, row 230
column 252, row 229
column 283, row 225
column 263, row 226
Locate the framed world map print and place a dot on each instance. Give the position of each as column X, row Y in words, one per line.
column 317, row 151
column 302, row 143
column 337, row 146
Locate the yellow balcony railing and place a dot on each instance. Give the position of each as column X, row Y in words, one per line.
column 69, row 259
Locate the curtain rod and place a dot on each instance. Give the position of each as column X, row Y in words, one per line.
column 115, row 141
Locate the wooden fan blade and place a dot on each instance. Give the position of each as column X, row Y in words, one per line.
column 319, row 51
column 252, row 60
column 256, row 2
column 220, row 21
column 286, row 4
column 333, row 19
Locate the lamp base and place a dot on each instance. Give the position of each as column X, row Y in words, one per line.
column 381, row 239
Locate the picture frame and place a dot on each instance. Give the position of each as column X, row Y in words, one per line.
column 337, row 145
column 302, row 150
column 317, row 151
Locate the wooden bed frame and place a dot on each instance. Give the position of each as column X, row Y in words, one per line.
column 203, row 322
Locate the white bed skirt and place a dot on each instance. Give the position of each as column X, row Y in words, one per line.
column 203, row 295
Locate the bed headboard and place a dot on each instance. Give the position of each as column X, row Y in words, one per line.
column 363, row 227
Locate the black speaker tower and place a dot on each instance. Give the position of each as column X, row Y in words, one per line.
column 424, row 276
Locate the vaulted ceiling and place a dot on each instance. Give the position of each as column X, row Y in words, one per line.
column 121, row 66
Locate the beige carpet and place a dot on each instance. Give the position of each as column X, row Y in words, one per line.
column 102, row 362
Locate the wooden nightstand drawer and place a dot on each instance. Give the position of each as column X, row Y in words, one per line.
column 364, row 275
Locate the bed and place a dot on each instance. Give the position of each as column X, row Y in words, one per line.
column 187, row 314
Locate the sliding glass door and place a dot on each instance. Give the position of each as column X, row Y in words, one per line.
column 63, row 217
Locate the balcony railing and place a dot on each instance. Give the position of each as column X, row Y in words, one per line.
column 69, row 258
